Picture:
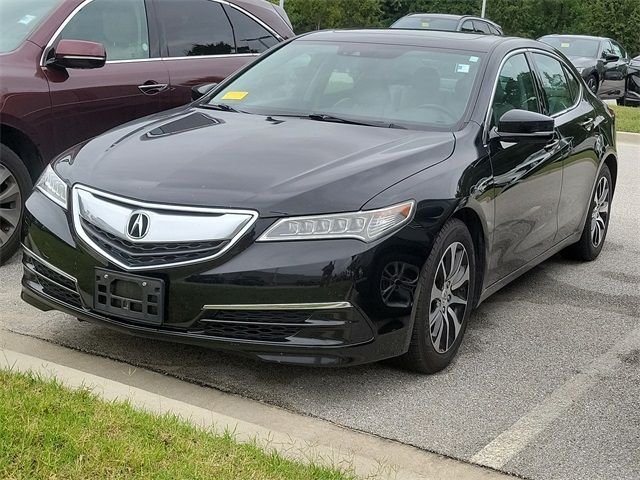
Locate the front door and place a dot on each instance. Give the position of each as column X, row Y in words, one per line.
column 615, row 73
column 132, row 84
column 527, row 178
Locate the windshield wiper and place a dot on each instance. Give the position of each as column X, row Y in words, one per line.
column 219, row 106
column 323, row 117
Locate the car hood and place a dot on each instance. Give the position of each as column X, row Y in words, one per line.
column 583, row 62
column 277, row 166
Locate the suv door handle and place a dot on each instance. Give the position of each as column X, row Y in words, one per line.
column 152, row 88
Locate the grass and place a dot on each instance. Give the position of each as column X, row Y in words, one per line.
column 627, row 118
column 48, row 431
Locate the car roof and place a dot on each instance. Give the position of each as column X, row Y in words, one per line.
column 590, row 37
column 423, row 38
column 451, row 16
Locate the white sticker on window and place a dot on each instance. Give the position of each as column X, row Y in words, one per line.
column 462, row 68
column 473, row 59
column 27, row 19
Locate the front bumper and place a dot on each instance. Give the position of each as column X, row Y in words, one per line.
column 303, row 303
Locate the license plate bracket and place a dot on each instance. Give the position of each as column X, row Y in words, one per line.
column 129, row 296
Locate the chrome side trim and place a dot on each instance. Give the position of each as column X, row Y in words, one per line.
column 223, row 2
column 48, row 265
column 253, row 217
column 281, row 306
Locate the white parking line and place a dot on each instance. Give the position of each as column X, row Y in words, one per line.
column 511, row 442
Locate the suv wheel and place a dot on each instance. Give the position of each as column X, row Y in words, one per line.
column 444, row 300
column 15, row 185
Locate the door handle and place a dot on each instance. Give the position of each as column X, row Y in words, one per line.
column 588, row 123
column 152, row 88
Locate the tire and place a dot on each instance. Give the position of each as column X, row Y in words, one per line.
column 597, row 224
column 592, row 83
column 435, row 343
column 621, row 101
column 15, row 185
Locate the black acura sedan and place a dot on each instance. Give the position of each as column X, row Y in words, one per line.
column 602, row 62
column 350, row 196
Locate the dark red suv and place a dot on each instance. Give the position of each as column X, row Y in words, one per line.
column 72, row 69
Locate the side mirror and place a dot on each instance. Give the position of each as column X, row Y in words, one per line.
column 201, row 90
column 523, row 126
column 79, row 54
column 610, row 57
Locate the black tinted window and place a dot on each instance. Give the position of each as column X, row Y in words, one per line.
column 195, row 27
column 574, row 85
column 554, row 83
column 481, row 27
column 119, row 25
column 515, row 88
column 251, row 37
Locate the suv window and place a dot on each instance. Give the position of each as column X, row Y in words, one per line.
column 120, row 25
column 467, row 26
column 195, row 27
column 554, row 83
column 515, row 88
column 481, row 27
column 251, row 37
column 574, row 85
column 607, row 48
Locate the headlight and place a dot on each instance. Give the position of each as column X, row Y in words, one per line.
column 366, row 226
column 53, row 187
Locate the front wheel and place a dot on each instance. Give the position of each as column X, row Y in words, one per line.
column 15, row 185
column 592, row 83
column 443, row 301
column 597, row 225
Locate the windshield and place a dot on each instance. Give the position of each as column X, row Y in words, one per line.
column 574, row 47
column 18, row 18
column 381, row 85
column 427, row 23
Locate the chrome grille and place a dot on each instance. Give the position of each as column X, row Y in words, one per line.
column 151, row 254
column 172, row 235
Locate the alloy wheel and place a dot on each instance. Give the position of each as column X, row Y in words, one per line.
column 10, row 205
column 449, row 297
column 398, row 284
column 600, row 212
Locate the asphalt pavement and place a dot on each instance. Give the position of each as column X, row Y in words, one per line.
column 545, row 386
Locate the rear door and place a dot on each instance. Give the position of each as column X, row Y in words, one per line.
column 133, row 83
column 576, row 121
column 204, row 41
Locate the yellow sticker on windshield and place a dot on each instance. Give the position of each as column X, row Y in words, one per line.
column 565, row 45
column 235, row 95
column 425, row 24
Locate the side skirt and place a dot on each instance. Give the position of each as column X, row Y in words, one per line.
column 490, row 290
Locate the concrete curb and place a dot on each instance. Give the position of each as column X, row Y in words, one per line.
column 294, row 436
column 626, row 137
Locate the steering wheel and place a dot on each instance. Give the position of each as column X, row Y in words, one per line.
column 440, row 109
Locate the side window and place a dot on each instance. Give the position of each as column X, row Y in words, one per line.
column 481, row 27
column 251, row 37
column 120, row 25
column 494, row 30
column 607, row 48
column 515, row 88
column 195, row 27
column 554, row 83
column 574, row 85
column 467, row 27
column 618, row 50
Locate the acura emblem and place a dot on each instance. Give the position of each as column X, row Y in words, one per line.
column 138, row 225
